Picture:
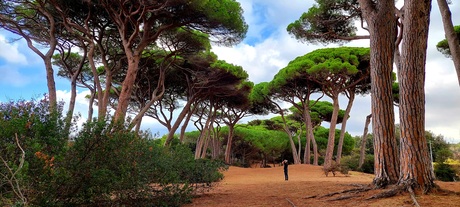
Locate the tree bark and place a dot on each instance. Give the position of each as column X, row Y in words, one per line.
column 310, row 137
column 415, row 169
column 331, row 138
column 381, row 21
column 178, row 121
column 362, row 153
column 451, row 36
column 344, row 126
column 228, row 148
column 127, row 85
column 288, row 132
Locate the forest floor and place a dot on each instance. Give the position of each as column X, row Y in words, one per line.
column 307, row 186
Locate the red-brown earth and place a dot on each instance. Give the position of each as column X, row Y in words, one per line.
column 306, row 187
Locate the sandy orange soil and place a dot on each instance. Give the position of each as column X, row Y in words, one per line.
column 306, row 187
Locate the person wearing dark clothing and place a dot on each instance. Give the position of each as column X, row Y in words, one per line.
column 285, row 164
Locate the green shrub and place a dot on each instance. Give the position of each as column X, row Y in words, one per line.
column 29, row 129
column 104, row 166
column 445, row 172
column 352, row 163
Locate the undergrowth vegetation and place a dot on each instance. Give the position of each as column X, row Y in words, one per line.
column 104, row 165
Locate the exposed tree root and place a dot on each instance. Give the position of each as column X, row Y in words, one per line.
column 387, row 193
column 354, row 190
column 344, row 197
column 292, row 204
column 393, row 190
column 412, row 195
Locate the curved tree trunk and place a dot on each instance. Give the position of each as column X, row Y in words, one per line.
column 127, row 85
column 310, row 140
column 291, row 140
column 380, row 18
column 451, row 36
column 344, row 126
column 184, row 125
column 362, row 154
column 97, row 83
column 331, row 138
column 179, row 119
column 73, row 96
column 415, row 170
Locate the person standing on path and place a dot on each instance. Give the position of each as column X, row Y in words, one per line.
column 285, row 164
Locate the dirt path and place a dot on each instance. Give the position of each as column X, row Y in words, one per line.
column 267, row 187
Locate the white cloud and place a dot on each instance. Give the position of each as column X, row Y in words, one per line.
column 10, row 53
column 268, row 48
column 265, row 58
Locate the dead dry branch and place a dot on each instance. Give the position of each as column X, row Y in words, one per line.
column 290, row 202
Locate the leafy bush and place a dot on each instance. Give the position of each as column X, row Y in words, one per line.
column 104, row 166
column 32, row 141
column 352, row 163
column 445, row 172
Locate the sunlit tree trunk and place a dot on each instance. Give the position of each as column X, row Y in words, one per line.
column 310, row 139
column 415, row 169
column 184, row 125
column 180, row 118
column 451, row 36
column 343, row 128
column 127, row 86
column 228, row 148
column 97, row 83
column 381, row 21
column 289, row 133
column 331, row 138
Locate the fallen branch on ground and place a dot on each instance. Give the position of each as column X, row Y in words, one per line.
column 292, row 204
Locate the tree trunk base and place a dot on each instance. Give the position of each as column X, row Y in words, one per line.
column 392, row 190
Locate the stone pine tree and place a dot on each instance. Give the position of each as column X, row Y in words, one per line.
column 139, row 23
column 337, row 70
column 415, row 170
column 292, row 84
column 337, row 26
column 264, row 101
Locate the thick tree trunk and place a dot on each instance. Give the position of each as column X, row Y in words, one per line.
column 315, row 148
column 127, row 87
column 451, row 36
column 52, row 96
column 362, row 154
column 331, row 138
column 415, row 169
column 184, row 126
column 380, row 18
column 228, row 148
column 50, row 82
column 344, row 126
column 293, row 147
column 310, row 139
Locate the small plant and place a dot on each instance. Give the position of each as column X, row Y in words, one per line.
column 334, row 167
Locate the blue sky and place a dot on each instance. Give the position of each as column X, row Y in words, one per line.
column 266, row 49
